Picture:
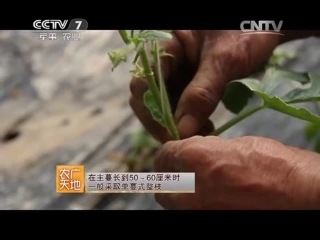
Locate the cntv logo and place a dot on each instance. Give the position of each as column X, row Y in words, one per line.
column 261, row 27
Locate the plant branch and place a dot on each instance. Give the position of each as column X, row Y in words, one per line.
column 150, row 76
column 124, row 36
column 242, row 115
column 165, row 103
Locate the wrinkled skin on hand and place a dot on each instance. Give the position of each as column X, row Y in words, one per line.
column 242, row 173
column 203, row 63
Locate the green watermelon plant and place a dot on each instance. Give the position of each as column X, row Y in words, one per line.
column 144, row 46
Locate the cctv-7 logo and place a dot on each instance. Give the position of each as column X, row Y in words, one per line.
column 78, row 24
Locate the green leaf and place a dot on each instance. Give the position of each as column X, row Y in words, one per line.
column 152, row 106
column 117, row 56
column 238, row 93
column 279, row 57
column 280, row 74
column 149, row 35
column 137, row 42
column 277, row 104
column 274, row 77
column 270, row 101
column 305, row 95
column 236, row 96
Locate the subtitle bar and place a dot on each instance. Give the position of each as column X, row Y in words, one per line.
column 139, row 182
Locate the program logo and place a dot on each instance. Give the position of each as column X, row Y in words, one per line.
column 261, row 27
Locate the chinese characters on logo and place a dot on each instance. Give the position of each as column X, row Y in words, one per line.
column 66, row 36
column 70, row 179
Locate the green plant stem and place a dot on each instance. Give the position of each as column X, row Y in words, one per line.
column 150, row 76
column 166, row 107
column 242, row 115
column 124, row 36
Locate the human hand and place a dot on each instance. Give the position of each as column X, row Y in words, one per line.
column 204, row 62
column 241, row 173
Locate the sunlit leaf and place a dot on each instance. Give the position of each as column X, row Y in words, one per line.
column 117, row 56
column 148, row 35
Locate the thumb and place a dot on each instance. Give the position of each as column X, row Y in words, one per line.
column 200, row 98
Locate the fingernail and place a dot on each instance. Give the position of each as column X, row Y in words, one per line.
column 188, row 126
